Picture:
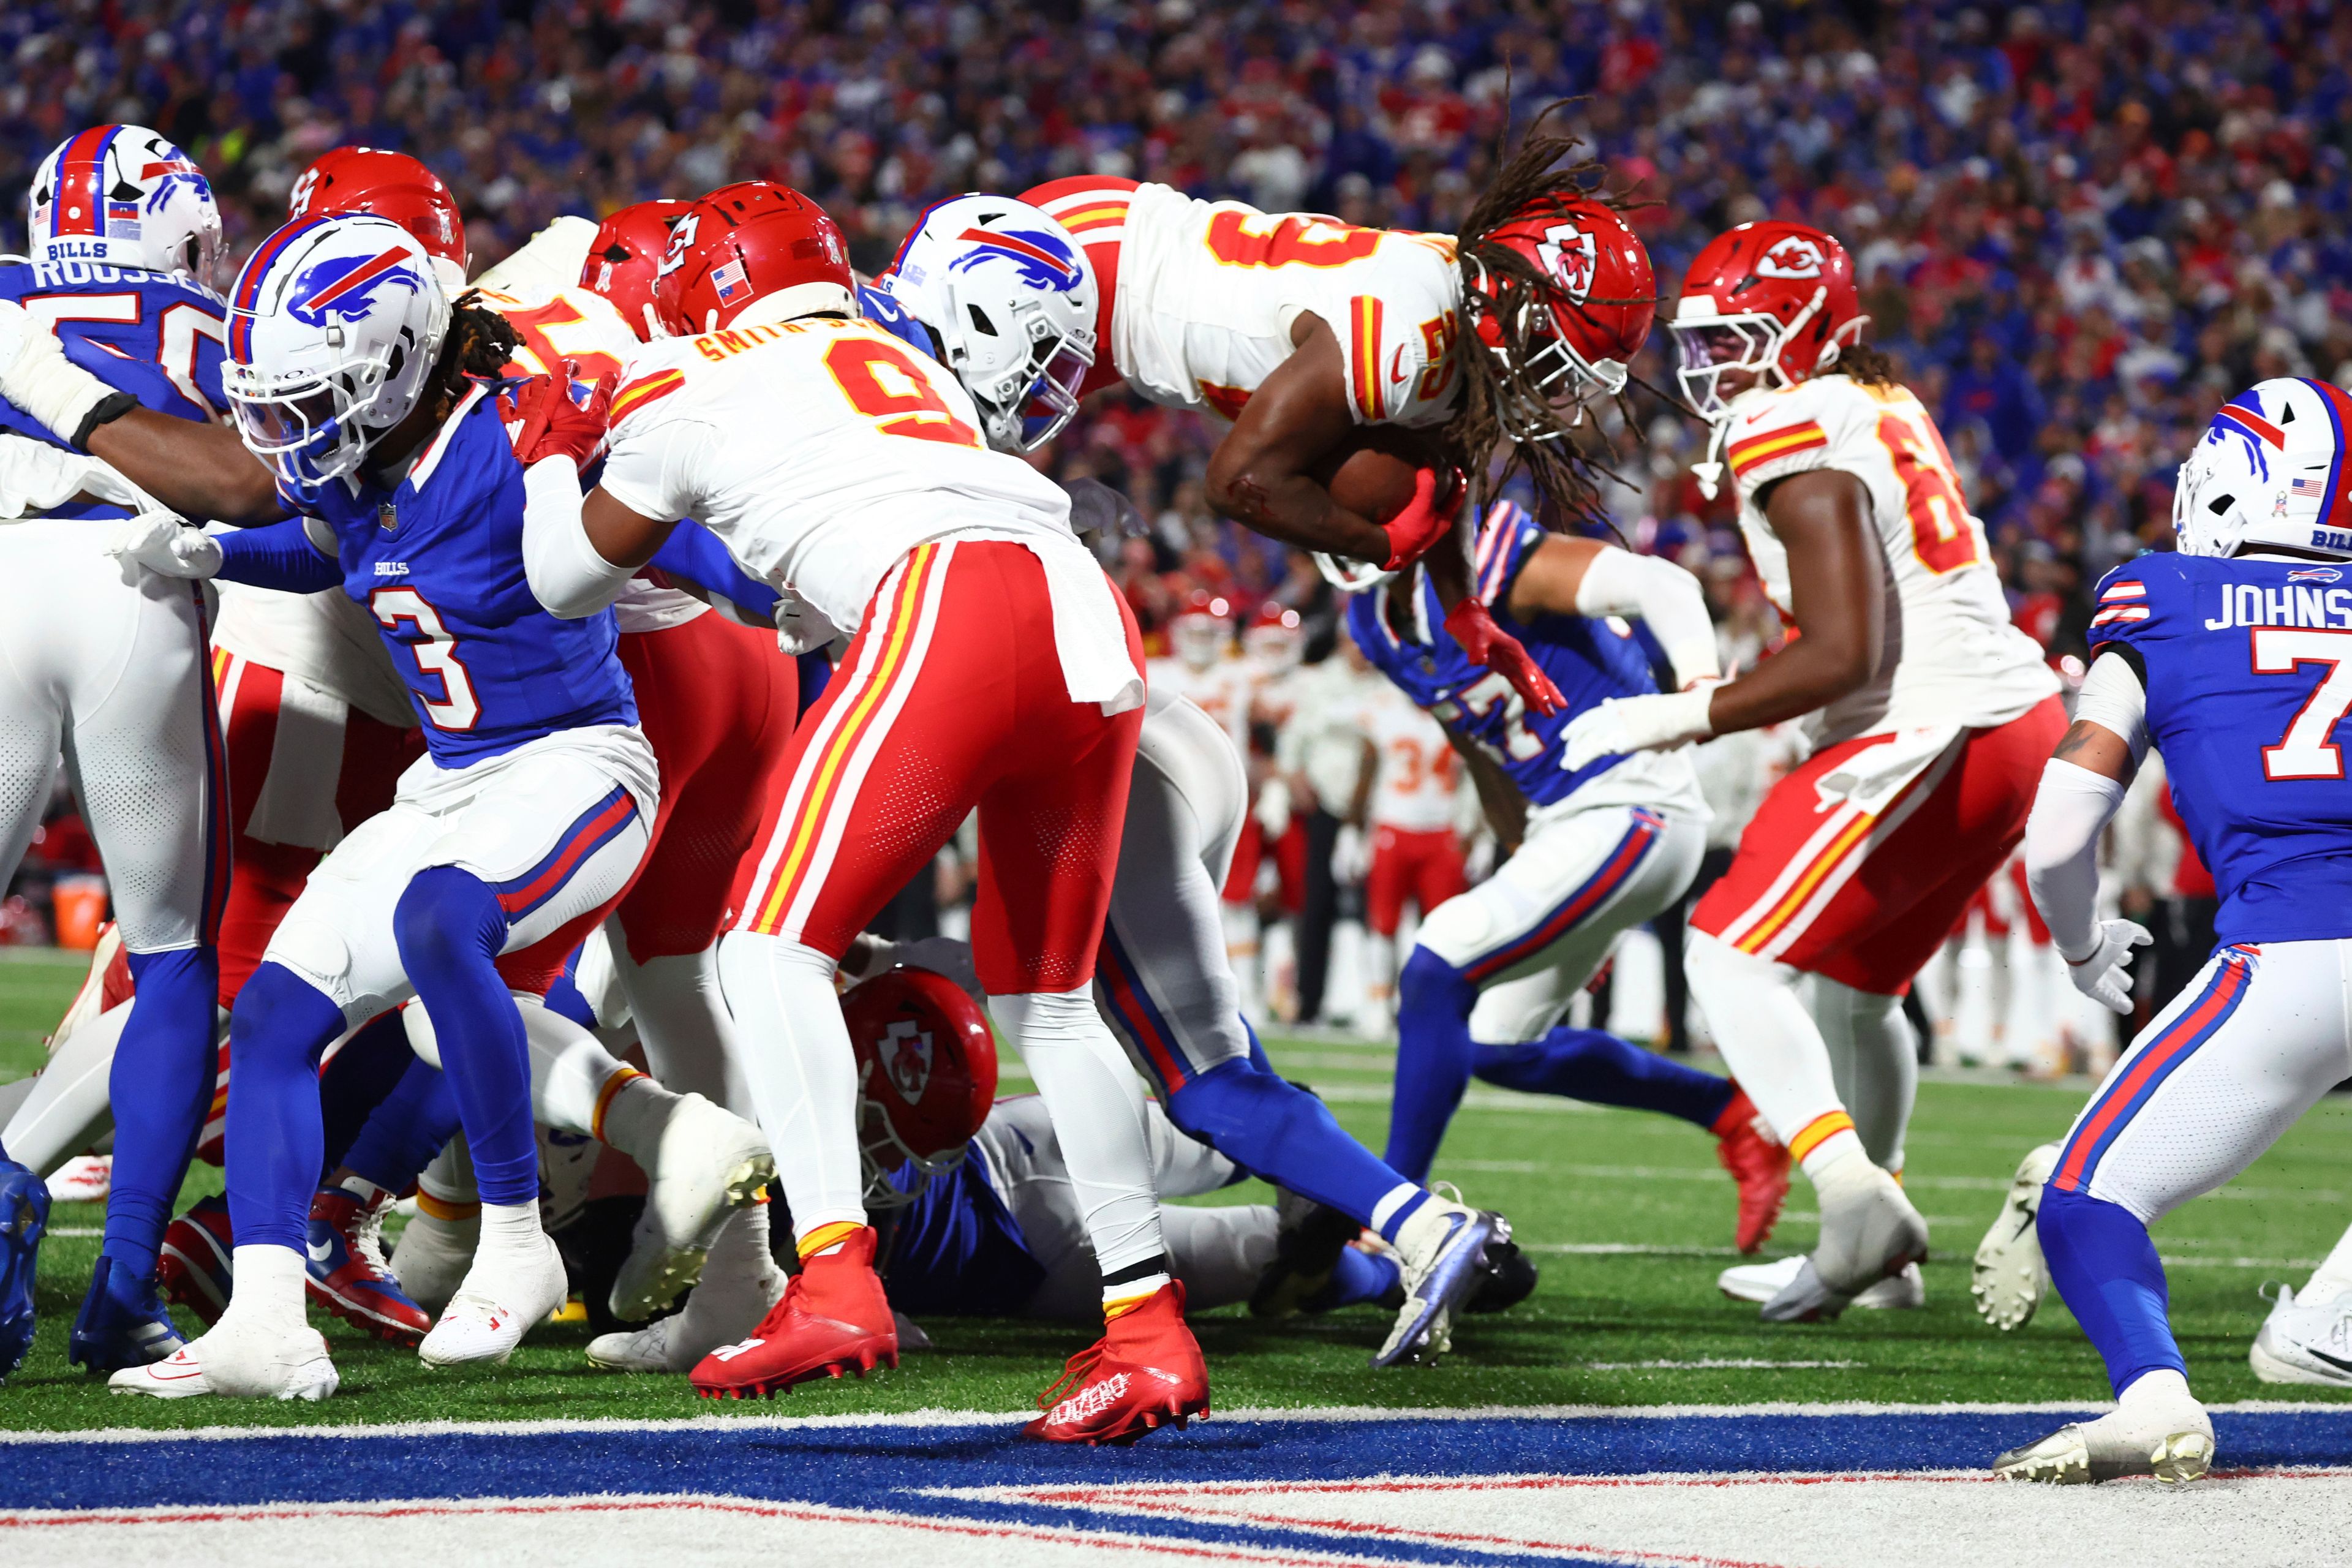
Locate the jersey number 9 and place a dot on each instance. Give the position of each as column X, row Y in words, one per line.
column 883, row 382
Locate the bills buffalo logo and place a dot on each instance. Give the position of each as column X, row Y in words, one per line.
column 1793, row 255
column 907, row 1054
column 346, row 288
column 2316, row 575
column 171, row 171
column 1568, row 254
column 1044, row 261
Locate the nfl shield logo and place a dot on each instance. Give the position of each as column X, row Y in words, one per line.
column 387, row 517
column 732, row 281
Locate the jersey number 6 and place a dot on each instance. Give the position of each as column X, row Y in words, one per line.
column 436, row 655
column 2305, row 752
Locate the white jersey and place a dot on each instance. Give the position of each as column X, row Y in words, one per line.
column 566, row 329
column 1221, row 691
column 1950, row 656
column 823, row 450
column 1415, row 789
column 1207, row 293
column 325, row 639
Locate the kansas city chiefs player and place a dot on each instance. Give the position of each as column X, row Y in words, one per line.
column 1929, row 713
column 1302, row 329
column 1202, row 635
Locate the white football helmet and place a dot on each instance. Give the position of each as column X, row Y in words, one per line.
column 122, row 196
column 1010, row 300
column 335, row 326
column 2270, row 475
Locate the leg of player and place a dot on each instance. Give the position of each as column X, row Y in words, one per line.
column 437, row 1248
column 349, row 1275
column 2252, row 1043
column 24, row 1218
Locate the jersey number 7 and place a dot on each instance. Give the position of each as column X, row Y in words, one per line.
column 2305, row 752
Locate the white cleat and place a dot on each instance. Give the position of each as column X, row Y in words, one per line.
column 499, row 1302
column 2009, row 1278
column 740, row 1282
column 1869, row 1232
column 2305, row 1340
column 431, row 1260
column 701, row 1163
column 239, row 1362
column 642, row 1350
column 1903, row 1292
column 84, row 1179
column 1442, row 1250
column 2173, row 1450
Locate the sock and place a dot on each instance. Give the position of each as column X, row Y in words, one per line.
column 1397, row 1205
column 1596, row 1066
column 275, row 1137
column 401, row 1136
column 1874, row 1061
column 1823, row 1143
column 2334, row 1275
column 1769, row 1041
column 1126, row 1289
column 2160, row 1387
column 1359, row 1276
column 359, row 1078
column 2105, row 1268
column 820, row 1240
column 689, row 1038
column 1097, row 1104
column 268, row 1278
column 449, row 929
column 162, row 1087
column 1283, row 1135
column 802, row 1076
column 574, row 1080
column 1433, row 1060
column 509, row 1230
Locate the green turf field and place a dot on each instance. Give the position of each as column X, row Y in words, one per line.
column 1627, row 1214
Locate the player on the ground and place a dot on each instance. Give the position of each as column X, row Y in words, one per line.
column 110, row 674
column 1928, row 713
column 1302, row 329
column 1596, row 847
column 993, row 667
column 2226, row 658
column 352, row 379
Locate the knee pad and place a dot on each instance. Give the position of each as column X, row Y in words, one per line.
column 1458, row 930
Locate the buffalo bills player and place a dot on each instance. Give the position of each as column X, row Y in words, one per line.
column 353, row 380
column 1596, row 849
column 112, row 676
column 2233, row 658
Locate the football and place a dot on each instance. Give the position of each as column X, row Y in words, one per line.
column 1371, row 472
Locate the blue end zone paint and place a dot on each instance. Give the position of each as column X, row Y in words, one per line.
column 890, row 1467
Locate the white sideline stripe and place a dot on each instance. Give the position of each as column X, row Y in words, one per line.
column 1746, row 1363
column 932, row 1419
column 76, row 1232
column 1644, row 1249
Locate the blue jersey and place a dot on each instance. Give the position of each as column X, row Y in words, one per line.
column 957, row 1251
column 2248, row 670
column 884, row 312
column 1589, row 661
column 438, row 559
column 152, row 334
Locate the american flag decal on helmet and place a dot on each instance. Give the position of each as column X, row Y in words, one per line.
column 733, row 281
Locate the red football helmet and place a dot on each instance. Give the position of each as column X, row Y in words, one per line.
column 1200, row 628
column 624, row 256
column 1774, row 297
column 1581, row 328
column 1272, row 636
column 751, row 241
column 926, row 1077
column 391, row 186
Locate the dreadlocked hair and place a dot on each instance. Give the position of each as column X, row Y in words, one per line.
column 479, row 342
column 1504, row 287
column 1867, row 364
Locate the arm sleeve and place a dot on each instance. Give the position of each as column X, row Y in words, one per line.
column 1663, row 598
column 692, row 553
column 2113, row 698
column 2061, row 852
column 565, row 572
column 280, row 555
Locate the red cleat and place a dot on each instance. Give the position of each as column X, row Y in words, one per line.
column 1758, row 1163
column 1145, row 1369
column 833, row 1319
column 347, row 1273
column 192, row 1269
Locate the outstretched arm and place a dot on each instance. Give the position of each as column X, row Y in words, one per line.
column 577, row 553
column 1566, row 576
column 197, row 470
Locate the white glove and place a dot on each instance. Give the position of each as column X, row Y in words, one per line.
column 35, row 375
column 1351, row 855
column 160, row 542
column 1624, row 724
column 2103, row 974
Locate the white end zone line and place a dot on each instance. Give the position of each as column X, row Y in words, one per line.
column 935, row 1418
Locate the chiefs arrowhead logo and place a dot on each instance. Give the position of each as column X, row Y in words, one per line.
column 1793, row 255
column 1568, row 254
column 907, row 1057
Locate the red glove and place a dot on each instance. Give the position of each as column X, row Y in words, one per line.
column 553, row 426
column 1425, row 520
column 1499, row 651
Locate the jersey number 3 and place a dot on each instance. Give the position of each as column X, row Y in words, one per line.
column 436, row 655
column 2305, row 752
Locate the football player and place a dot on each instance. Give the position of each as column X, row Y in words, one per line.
column 993, row 667
column 1928, row 710
column 1598, row 846
column 2223, row 657
column 109, row 672
column 1414, row 850
column 352, row 378
column 1301, row 330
